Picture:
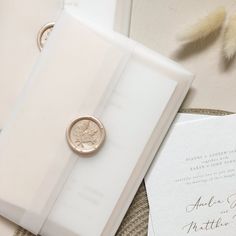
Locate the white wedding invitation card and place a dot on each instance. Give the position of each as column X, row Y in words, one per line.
column 180, row 119
column 191, row 184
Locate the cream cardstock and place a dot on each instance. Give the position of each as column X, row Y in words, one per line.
column 20, row 23
column 85, row 70
column 198, row 195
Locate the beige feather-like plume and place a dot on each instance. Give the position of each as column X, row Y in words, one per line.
column 204, row 27
column 229, row 48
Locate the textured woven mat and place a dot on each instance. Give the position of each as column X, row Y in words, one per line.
column 135, row 222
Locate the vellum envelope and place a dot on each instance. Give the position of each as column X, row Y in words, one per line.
column 45, row 186
column 20, row 23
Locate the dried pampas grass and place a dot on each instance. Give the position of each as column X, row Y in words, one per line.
column 204, row 27
column 229, row 47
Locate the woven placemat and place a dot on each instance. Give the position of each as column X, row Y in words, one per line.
column 135, row 223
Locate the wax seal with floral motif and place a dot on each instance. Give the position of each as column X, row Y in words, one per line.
column 85, row 135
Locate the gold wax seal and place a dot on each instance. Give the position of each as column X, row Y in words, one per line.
column 44, row 34
column 85, row 135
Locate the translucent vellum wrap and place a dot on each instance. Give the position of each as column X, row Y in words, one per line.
column 48, row 189
column 20, row 23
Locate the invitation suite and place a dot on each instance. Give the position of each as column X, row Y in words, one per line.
column 20, row 22
column 109, row 13
column 112, row 84
column 23, row 21
column 191, row 184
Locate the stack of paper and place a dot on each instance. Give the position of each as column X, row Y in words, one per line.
column 109, row 14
